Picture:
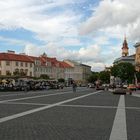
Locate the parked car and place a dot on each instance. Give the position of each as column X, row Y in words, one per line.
column 91, row 85
column 119, row 91
column 100, row 87
column 125, row 86
column 60, row 86
column 131, row 87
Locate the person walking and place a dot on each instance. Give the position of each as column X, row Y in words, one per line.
column 74, row 86
column 130, row 91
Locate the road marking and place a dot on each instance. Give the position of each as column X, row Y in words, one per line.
column 36, row 92
column 104, row 107
column 119, row 131
column 32, row 97
column 42, row 108
column 27, row 93
column 23, row 103
column 75, row 106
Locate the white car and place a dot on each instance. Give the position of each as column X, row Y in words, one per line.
column 119, row 91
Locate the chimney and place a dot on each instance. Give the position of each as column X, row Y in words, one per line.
column 11, row 52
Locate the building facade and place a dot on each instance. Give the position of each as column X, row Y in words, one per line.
column 16, row 64
column 79, row 72
column 24, row 65
column 137, row 56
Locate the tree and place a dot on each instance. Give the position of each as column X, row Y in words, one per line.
column 16, row 73
column 44, row 76
column 8, row 73
column 61, row 80
column 104, row 76
column 93, row 77
column 125, row 71
column 138, row 76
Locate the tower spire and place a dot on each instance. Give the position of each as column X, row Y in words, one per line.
column 125, row 47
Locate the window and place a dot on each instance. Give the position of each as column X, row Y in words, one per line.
column 16, row 63
column 26, row 71
column 30, row 64
column 17, row 70
column 26, row 64
column 7, row 63
column 30, row 73
column 21, row 64
column 8, row 72
column 21, row 70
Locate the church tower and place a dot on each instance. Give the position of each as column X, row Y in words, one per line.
column 125, row 48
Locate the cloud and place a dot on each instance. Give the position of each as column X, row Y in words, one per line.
column 14, row 41
column 114, row 17
column 70, row 42
column 59, row 27
column 90, row 55
column 33, row 16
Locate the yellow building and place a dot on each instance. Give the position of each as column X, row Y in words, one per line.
column 137, row 56
column 16, row 64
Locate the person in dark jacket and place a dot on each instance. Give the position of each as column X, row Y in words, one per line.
column 74, row 86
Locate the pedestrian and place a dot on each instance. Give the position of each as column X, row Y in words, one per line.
column 74, row 86
column 130, row 91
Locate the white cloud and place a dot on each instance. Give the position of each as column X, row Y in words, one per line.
column 13, row 41
column 70, row 42
column 102, row 40
column 90, row 55
column 33, row 16
column 115, row 17
column 111, row 19
column 96, row 66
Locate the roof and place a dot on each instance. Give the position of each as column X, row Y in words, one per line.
column 65, row 65
column 15, row 57
column 137, row 44
column 130, row 59
column 53, row 61
column 34, row 58
column 25, row 58
column 85, row 65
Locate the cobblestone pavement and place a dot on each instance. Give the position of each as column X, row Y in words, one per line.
column 64, row 115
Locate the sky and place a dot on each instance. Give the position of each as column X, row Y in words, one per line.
column 88, row 31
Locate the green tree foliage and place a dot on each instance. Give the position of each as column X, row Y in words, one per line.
column 93, row 77
column 125, row 71
column 19, row 73
column 138, row 76
column 104, row 76
column 16, row 73
column 61, row 80
column 44, row 76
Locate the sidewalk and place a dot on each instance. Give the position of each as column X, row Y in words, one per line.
column 136, row 92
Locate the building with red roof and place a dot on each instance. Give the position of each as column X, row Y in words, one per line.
column 25, row 65
column 16, row 64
